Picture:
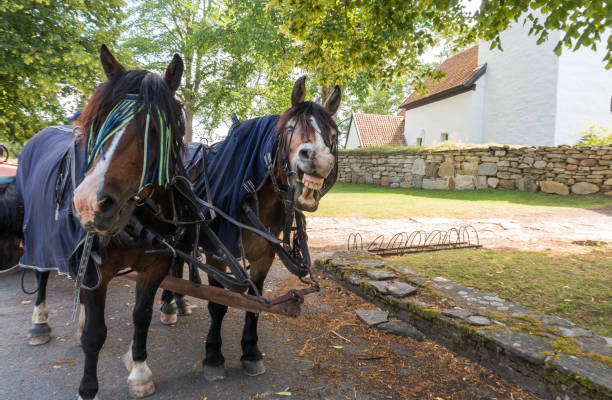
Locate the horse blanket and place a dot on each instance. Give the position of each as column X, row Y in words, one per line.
column 53, row 236
column 236, row 167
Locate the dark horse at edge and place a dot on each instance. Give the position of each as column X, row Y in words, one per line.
column 106, row 198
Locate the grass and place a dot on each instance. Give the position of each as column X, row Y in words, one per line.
column 370, row 201
column 572, row 286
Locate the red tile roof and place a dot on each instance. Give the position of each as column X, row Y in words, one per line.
column 380, row 130
column 459, row 70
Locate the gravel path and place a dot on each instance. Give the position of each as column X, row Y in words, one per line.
column 533, row 230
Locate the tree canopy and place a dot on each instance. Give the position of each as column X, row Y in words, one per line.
column 231, row 50
column 243, row 56
column 49, row 51
column 340, row 39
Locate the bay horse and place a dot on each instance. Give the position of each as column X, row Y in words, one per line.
column 128, row 146
column 305, row 162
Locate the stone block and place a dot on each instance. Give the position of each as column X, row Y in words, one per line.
column 481, row 182
column 469, row 168
column 526, row 184
column 540, row 164
column 464, row 182
column 416, row 182
column 438, row 184
column 418, row 167
column 431, row 170
column 507, row 184
column 584, row 188
column 588, row 162
column 384, row 181
column 446, row 169
column 554, row 188
column 492, row 182
column 361, row 179
column 487, row 168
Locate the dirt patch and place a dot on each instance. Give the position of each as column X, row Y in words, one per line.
column 535, row 230
column 341, row 350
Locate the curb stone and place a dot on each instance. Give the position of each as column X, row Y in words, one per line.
column 442, row 309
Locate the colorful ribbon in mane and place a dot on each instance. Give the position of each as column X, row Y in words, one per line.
column 121, row 115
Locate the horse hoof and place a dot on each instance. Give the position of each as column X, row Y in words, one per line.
column 39, row 340
column 141, row 389
column 253, row 368
column 40, row 334
column 183, row 307
column 182, row 311
column 168, row 319
column 212, row 374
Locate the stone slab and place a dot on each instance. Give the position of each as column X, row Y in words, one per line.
column 529, row 347
column 457, row 313
column 401, row 328
column 401, row 289
column 380, row 275
column 372, row 317
column 381, row 286
column 597, row 373
column 478, row 320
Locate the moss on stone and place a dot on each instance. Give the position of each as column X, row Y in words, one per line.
column 569, row 346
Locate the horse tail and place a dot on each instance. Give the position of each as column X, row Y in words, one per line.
column 11, row 225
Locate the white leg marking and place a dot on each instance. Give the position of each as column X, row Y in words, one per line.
column 80, row 323
column 80, row 398
column 140, row 380
column 40, row 315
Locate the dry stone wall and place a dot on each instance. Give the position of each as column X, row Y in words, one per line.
column 561, row 170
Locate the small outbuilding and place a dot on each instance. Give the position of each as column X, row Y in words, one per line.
column 367, row 130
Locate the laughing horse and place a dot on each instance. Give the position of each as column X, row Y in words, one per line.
column 266, row 173
column 77, row 190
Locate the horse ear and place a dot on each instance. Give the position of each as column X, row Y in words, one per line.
column 174, row 73
column 299, row 91
column 332, row 102
column 109, row 63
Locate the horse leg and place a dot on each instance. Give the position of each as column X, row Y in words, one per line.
column 140, row 380
column 182, row 305
column 168, row 315
column 252, row 359
column 93, row 338
column 214, row 363
column 40, row 331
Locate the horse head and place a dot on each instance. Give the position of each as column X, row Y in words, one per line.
column 309, row 141
column 132, row 130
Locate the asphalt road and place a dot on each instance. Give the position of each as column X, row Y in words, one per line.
column 324, row 354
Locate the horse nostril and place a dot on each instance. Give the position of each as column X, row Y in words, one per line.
column 107, row 205
column 307, row 154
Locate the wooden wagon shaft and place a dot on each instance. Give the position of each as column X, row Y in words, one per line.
column 217, row 295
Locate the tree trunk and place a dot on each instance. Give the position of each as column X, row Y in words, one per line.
column 188, row 124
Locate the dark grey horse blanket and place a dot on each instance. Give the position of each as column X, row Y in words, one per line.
column 236, row 167
column 53, row 236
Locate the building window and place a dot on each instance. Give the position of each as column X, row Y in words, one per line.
column 444, row 137
column 419, row 141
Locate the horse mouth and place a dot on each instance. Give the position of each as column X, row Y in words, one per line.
column 308, row 199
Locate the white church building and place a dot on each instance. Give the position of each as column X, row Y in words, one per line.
column 523, row 95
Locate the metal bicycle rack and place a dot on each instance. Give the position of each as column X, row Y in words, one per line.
column 418, row 241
